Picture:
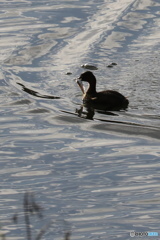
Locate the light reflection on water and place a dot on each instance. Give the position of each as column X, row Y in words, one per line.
column 101, row 176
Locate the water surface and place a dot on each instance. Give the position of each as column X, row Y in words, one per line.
column 97, row 171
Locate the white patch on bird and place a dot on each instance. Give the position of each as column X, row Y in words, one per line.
column 79, row 82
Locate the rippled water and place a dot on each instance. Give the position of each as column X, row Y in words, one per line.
column 97, row 171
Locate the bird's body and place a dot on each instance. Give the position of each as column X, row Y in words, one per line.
column 108, row 99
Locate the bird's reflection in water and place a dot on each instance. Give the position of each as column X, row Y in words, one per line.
column 88, row 112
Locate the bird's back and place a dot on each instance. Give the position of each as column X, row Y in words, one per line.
column 109, row 99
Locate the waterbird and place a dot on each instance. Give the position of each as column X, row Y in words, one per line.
column 106, row 100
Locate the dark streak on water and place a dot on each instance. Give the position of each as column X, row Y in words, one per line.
column 99, row 171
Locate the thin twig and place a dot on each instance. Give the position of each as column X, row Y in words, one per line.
column 26, row 206
column 43, row 231
column 67, row 236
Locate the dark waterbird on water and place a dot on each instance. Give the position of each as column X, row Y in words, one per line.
column 107, row 100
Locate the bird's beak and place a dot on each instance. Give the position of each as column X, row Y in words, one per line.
column 79, row 82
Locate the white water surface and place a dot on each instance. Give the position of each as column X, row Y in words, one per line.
column 94, row 174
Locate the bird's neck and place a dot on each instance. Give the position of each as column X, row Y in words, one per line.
column 91, row 89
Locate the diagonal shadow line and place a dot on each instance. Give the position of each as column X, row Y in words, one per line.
column 36, row 94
